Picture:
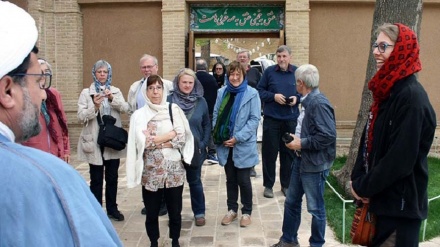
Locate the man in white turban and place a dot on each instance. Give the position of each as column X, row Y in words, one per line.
column 43, row 202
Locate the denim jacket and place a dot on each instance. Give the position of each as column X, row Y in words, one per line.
column 245, row 153
column 318, row 133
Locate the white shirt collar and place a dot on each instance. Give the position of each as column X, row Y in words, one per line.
column 7, row 132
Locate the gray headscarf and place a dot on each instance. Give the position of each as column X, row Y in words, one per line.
column 186, row 101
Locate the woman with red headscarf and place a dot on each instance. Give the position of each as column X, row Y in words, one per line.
column 391, row 170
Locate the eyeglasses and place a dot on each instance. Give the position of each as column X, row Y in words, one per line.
column 219, row 68
column 151, row 88
column 148, row 67
column 44, row 80
column 381, row 46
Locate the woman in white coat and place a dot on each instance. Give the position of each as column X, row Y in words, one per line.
column 156, row 144
column 103, row 98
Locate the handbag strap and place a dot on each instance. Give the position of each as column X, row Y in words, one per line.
column 98, row 117
column 170, row 111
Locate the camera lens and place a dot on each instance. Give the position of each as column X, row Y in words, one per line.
column 287, row 138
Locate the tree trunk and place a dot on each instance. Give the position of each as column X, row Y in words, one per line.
column 408, row 12
column 206, row 52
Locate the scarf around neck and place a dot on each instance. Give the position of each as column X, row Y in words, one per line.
column 403, row 61
column 187, row 101
column 220, row 125
column 108, row 83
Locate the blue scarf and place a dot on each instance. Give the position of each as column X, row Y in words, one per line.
column 240, row 92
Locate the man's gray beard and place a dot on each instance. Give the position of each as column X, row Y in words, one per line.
column 29, row 119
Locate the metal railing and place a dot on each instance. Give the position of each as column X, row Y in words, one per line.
column 351, row 201
column 426, row 220
column 343, row 209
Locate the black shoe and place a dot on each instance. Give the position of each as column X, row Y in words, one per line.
column 175, row 243
column 163, row 211
column 163, row 207
column 284, row 190
column 144, row 211
column 116, row 216
column 253, row 172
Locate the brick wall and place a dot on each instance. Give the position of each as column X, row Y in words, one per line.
column 61, row 43
column 297, row 30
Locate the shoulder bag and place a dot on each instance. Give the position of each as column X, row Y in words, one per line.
column 363, row 226
column 111, row 136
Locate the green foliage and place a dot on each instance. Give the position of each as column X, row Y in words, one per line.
column 334, row 205
column 202, row 42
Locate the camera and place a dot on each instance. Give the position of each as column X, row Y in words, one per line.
column 287, row 138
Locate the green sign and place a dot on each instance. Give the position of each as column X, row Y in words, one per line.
column 263, row 18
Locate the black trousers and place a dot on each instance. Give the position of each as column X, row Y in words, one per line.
column 238, row 179
column 273, row 129
column 152, row 201
column 406, row 230
column 110, row 167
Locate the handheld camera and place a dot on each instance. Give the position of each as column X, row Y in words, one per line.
column 287, row 138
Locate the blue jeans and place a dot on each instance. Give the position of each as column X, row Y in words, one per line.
column 196, row 191
column 312, row 184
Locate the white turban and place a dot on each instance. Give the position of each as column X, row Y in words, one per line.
column 18, row 35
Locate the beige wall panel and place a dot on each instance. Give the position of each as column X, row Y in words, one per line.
column 339, row 46
column 121, row 34
column 430, row 54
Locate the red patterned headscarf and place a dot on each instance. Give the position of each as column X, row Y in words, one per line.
column 403, row 61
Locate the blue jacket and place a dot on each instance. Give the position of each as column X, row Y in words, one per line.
column 245, row 153
column 274, row 81
column 45, row 202
column 318, row 133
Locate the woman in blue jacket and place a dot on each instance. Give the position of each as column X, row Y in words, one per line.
column 235, row 122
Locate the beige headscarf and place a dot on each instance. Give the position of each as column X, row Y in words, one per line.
column 18, row 36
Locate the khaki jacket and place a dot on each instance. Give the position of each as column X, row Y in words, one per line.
column 88, row 148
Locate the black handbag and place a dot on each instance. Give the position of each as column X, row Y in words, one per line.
column 111, row 136
column 197, row 156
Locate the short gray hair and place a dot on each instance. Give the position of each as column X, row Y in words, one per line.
column 148, row 56
column 244, row 51
column 284, row 48
column 309, row 74
column 42, row 61
column 201, row 64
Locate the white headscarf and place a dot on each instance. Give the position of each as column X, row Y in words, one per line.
column 18, row 36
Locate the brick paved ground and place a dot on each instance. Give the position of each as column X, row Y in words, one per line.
column 266, row 224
